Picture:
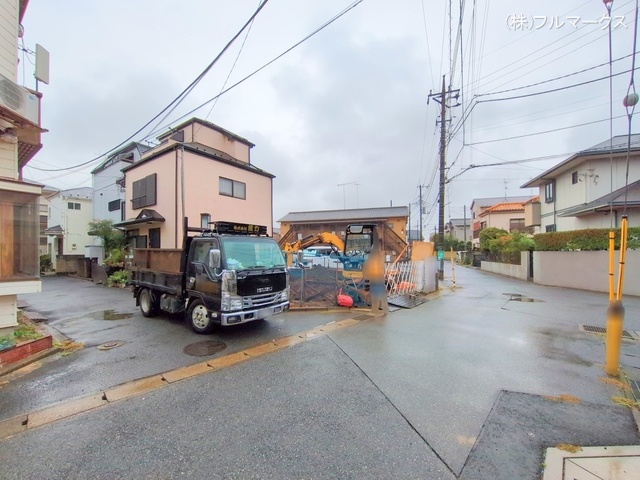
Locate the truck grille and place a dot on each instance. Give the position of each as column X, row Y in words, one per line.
column 257, row 301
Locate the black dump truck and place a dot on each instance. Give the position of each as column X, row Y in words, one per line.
column 231, row 274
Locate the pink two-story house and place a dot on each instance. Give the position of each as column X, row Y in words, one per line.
column 200, row 171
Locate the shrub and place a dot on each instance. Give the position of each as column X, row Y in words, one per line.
column 584, row 240
column 488, row 237
column 118, row 279
column 115, row 258
column 45, row 263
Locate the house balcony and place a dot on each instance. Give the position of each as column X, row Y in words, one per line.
column 20, row 107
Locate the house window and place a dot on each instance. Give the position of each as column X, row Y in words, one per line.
column 73, row 206
column 516, row 225
column 19, row 236
column 233, row 188
column 123, row 215
column 114, row 205
column 205, row 219
column 549, row 189
column 154, row 238
column 144, row 192
column 574, row 178
column 550, row 228
column 140, row 241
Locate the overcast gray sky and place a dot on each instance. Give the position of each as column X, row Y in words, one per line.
column 348, row 106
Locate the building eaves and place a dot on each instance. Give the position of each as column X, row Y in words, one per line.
column 356, row 214
column 491, row 201
column 82, row 192
column 146, row 216
column 125, row 153
column 206, row 124
column 504, row 208
column 203, row 151
column 617, row 147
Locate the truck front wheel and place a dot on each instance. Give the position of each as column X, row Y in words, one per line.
column 148, row 303
column 199, row 317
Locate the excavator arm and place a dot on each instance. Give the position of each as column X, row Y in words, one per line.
column 324, row 237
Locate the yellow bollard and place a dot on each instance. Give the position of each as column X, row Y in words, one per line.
column 612, row 256
column 615, row 312
column 615, row 320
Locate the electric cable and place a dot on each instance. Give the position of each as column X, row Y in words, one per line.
column 316, row 31
column 176, row 100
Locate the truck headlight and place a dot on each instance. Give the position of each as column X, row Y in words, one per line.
column 230, row 302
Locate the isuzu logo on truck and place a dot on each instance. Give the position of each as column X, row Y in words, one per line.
column 264, row 289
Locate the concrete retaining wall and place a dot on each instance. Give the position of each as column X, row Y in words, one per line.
column 518, row 271
column 585, row 270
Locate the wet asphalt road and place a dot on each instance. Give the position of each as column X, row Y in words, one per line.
column 77, row 309
column 406, row 396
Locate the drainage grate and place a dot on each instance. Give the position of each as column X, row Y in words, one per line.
column 594, row 329
column 204, row 348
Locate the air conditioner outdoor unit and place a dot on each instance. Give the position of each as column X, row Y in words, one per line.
column 19, row 100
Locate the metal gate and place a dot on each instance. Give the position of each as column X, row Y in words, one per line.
column 402, row 284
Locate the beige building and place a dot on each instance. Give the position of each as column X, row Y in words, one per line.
column 508, row 214
column 200, row 171
column 19, row 142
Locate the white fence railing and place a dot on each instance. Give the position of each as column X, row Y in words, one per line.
column 402, row 278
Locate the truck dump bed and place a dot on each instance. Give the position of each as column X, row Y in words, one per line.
column 156, row 267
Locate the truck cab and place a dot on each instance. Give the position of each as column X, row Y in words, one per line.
column 229, row 275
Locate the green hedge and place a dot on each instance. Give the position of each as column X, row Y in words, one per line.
column 583, row 240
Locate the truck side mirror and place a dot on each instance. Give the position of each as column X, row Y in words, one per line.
column 214, row 258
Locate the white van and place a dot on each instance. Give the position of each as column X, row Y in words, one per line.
column 321, row 255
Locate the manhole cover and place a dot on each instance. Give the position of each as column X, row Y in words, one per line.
column 109, row 345
column 206, row 347
column 595, row 329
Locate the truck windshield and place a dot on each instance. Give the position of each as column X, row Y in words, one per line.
column 242, row 253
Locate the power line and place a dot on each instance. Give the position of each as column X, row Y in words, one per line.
column 316, row 31
column 175, row 101
column 543, row 132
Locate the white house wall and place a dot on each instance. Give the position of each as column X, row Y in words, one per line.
column 106, row 190
column 594, row 182
column 8, row 38
column 74, row 223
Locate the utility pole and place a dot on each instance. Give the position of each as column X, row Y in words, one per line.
column 441, row 98
column 420, row 211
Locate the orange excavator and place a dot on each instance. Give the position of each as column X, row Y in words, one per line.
column 310, row 240
column 352, row 252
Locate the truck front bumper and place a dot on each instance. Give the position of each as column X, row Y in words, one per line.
column 244, row 316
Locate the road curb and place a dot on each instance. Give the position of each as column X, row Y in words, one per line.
column 75, row 406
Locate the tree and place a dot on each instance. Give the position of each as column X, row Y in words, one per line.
column 111, row 237
column 488, row 235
